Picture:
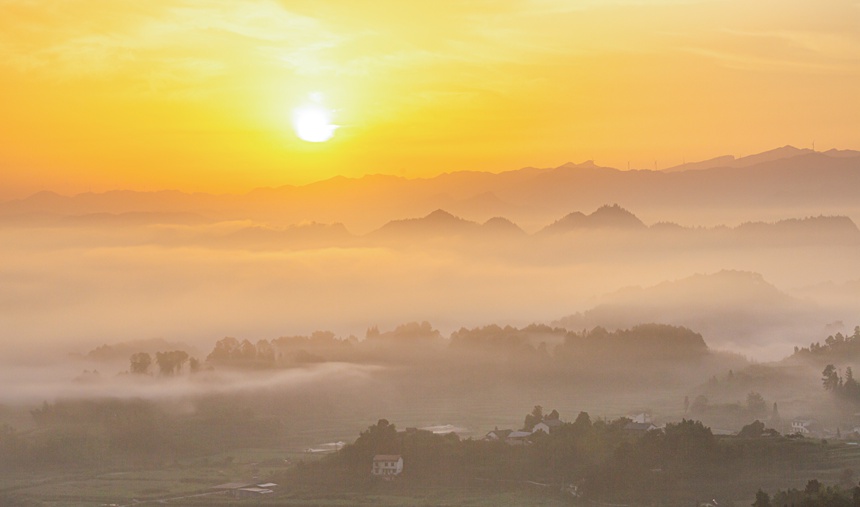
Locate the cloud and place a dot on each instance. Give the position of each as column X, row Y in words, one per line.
column 34, row 384
column 167, row 41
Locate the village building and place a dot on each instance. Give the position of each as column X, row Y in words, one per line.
column 246, row 489
column 547, row 426
column 518, row 438
column 641, row 417
column 639, row 427
column 387, row 465
column 252, row 492
column 805, row 427
column 497, row 435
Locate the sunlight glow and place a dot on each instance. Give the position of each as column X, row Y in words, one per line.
column 312, row 122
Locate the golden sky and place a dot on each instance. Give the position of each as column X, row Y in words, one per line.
column 197, row 95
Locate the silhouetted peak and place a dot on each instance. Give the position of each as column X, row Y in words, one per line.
column 45, row 195
column 612, row 210
column 441, row 215
column 834, row 153
column 731, row 161
column 607, row 216
column 785, row 152
column 437, row 222
column 500, row 224
column 588, row 164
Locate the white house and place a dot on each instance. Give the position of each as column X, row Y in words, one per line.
column 387, row 465
column 518, row 438
column 497, row 435
column 246, row 490
column 252, row 492
column 803, row 426
column 641, row 417
column 547, row 425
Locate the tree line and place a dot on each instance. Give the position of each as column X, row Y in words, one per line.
column 597, row 460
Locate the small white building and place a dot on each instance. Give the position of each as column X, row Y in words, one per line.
column 246, row 490
column 518, row 438
column 640, row 428
column 547, row 425
column 641, row 417
column 803, row 426
column 497, row 435
column 252, row 492
column 387, row 465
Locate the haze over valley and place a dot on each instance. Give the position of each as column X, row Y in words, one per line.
column 100, row 268
column 520, row 253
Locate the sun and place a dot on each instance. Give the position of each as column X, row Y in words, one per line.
column 312, row 122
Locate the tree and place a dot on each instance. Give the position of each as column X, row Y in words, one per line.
column 247, row 351
column 850, row 388
column 224, row 351
column 531, row 419
column 774, row 415
column 265, row 352
column 380, row 438
column 582, row 423
column 756, row 405
column 762, row 499
column 752, row 430
column 140, row 363
column 830, row 378
column 699, row 405
column 170, row 362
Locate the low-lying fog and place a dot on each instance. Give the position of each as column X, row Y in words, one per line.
column 753, row 292
column 71, row 288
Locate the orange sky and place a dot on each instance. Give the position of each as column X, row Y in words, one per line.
column 197, row 94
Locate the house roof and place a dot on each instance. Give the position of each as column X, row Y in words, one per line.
column 634, row 426
column 386, row 457
column 552, row 423
column 262, row 491
column 500, row 433
column 234, row 485
column 519, row 434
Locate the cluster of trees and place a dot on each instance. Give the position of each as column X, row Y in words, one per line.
column 528, row 346
column 508, row 339
column 656, row 341
column 755, row 407
column 815, row 494
column 230, row 351
column 537, row 416
column 680, row 463
column 132, row 431
column 844, row 387
column 169, row 363
column 837, row 345
column 322, row 346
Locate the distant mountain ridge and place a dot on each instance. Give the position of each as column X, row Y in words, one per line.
column 609, row 217
column 442, row 223
column 798, row 181
column 614, row 218
column 751, row 160
column 732, row 308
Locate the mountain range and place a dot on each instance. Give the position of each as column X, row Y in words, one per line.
column 731, row 309
column 725, row 189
